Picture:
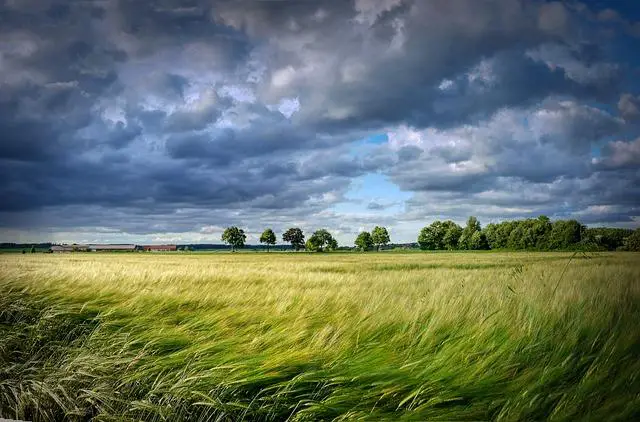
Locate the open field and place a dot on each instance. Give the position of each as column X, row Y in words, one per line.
column 419, row 336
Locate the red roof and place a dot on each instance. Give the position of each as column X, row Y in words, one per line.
column 159, row 247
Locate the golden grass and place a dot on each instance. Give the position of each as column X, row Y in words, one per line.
column 449, row 336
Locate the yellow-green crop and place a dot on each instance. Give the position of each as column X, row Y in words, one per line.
column 378, row 336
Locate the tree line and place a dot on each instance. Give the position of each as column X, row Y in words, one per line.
column 321, row 240
column 529, row 234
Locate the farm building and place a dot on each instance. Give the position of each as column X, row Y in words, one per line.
column 69, row 248
column 157, row 248
column 112, row 248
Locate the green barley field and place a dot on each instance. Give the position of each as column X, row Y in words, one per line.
column 297, row 336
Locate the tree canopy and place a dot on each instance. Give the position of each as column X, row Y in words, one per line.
column 473, row 225
column 527, row 234
column 380, row 236
column 632, row 242
column 478, row 241
column 295, row 236
column 234, row 236
column 321, row 240
column 440, row 235
column 452, row 235
column 364, row 241
column 607, row 238
column 268, row 237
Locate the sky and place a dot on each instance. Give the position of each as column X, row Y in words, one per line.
column 167, row 121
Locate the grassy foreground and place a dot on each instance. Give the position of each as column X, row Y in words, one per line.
column 487, row 336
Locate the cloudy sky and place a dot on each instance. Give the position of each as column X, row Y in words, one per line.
column 138, row 121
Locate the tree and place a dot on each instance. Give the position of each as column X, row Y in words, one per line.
column 33, row 249
column 320, row 241
column 565, row 234
column 515, row 237
column 529, row 238
column 364, row 242
column 473, row 225
column 428, row 237
column 294, row 236
column 440, row 235
column 608, row 238
column 311, row 245
column 632, row 242
column 380, row 236
column 333, row 244
column 268, row 237
column 541, row 230
column 451, row 236
column 491, row 233
column 234, row 237
column 478, row 241
column 500, row 239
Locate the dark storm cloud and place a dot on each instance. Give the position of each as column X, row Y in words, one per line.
column 225, row 145
column 424, row 43
column 183, row 121
column 29, row 132
column 547, row 166
column 629, row 106
column 544, row 143
column 508, row 84
column 409, row 153
column 253, row 109
column 598, row 198
column 120, row 134
column 268, row 134
column 620, row 155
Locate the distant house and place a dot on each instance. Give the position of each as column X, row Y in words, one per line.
column 112, row 248
column 69, row 248
column 158, row 248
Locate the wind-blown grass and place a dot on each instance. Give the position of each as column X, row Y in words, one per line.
column 327, row 336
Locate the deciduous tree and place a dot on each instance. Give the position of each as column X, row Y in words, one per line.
column 607, row 238
column 320, row 241
column 364, row 242
column 428, row 238
column 451, row 235
column 235, row 237
column 473, row 225
column 295, row 236
column 268, row 237
column 478, row 241
column 564, row 234
column 632, row 242
column 380, row 236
